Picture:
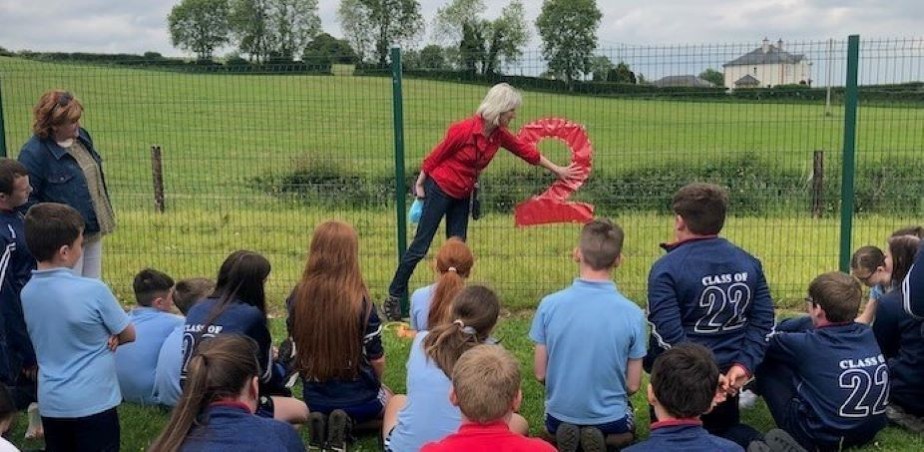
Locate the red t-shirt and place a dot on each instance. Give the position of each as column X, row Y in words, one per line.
column 455, row 162
column 494, row 437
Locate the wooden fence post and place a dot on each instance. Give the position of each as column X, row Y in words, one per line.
column 157, row 170
column 818, row 184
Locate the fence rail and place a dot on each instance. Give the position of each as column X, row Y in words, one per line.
column 254, row 156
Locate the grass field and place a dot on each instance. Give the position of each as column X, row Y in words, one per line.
column 219, row 131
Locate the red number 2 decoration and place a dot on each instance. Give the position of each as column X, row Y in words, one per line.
column 552, row 206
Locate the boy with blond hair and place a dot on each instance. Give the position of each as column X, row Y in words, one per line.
column 486, row 388
column 592, row 334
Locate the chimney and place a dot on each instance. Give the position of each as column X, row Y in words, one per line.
column 779, row 44
column 766, row 47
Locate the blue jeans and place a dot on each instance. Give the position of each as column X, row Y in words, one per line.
column 436, row 205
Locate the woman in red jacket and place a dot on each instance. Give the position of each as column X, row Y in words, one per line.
column 449, row 173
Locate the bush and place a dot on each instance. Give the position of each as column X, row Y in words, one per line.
column 756, row 186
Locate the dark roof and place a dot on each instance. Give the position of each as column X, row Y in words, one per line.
column 774, row 55
column 682, row 80
column 747, row 80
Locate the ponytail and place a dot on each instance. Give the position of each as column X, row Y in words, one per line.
column 220, row 369
column 474, row 314
column 454, row 263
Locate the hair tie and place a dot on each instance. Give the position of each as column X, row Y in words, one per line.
column 465, row 329
column 452, row 269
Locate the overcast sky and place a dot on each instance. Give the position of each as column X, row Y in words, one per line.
column 136, row 26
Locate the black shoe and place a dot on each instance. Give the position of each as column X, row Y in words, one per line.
column 339, row 426
column 567, row 437
column 391, row 307
column 592, row 440
column 780, row 441
column 317, row 431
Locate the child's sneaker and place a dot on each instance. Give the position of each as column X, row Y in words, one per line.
column 391, row 307
column 592, row 440
column 781, row 441
column 339, row 425
column 747, row 399
column 567, row 437
column 288, row 357
column 317, row 431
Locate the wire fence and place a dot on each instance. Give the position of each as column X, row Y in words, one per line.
column 255, row 156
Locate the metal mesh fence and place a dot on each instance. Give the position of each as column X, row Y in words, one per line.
column 255, row 157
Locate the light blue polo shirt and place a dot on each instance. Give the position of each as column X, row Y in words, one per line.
column 167, row 389
column 590, row 331
column 420, row 307
column 70, row 320
column 428, row 415
column 136, row 362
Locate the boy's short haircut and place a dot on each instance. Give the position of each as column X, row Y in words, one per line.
column 702, row 207
column 49, row 226
column 10, row 170
column 601, row 243
column 684, row 379
column 189, row 291
column 838, row 294
column 150, row 284
column 486, row 380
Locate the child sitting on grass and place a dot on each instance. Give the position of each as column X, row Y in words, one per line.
column 486, row 388
column 216, row 410
column 170, row 358
column 425, row 414
column 75, row 324
column 590, row 341
column 685, row 384
column 868, row 264
column 136, row 363
column 824, row 378
column 430, row 305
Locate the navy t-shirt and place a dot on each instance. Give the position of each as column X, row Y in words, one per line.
column 365, row 387
column 840, row 375
column 901, row 337
column 710, row 292
column 237, row 318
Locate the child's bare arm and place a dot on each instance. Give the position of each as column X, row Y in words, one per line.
column 378, row 366
column 127, row 335
column 540, row 362
column 633, row 376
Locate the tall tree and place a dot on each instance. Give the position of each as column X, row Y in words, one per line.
column 713, row 76
column 501, row 39
column 379, row 24
column 325, row 50
column 622, row 74
column 433, row 57
column 250, row 29
column 569, row 35
column 600, row 66
column 200, row 26
column 293, row 23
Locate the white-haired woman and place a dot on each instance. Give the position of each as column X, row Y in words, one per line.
column 449, row 173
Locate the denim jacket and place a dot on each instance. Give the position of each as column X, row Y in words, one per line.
column 56, row 176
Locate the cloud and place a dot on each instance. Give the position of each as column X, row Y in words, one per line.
column 140, row 25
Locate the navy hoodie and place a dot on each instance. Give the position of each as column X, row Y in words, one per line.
column 901, row 338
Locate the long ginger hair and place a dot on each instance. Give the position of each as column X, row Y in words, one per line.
column 328, row 304
column 454, row 263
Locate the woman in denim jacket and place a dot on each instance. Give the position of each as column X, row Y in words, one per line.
column 64, row 167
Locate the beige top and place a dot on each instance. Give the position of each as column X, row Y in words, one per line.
column 94, row 175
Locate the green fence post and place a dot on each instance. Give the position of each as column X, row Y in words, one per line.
column 2, row 125
column 849, row 156
column 400, row 189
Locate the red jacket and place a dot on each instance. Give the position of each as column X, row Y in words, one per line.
column 455, row 162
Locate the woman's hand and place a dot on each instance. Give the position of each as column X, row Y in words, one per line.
column 566, row 172
column 419, row 186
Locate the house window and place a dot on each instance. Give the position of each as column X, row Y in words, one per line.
column 755, row 70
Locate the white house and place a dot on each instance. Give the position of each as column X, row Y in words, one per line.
column 766, row 66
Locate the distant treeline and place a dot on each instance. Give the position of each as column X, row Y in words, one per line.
column 322, row 64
